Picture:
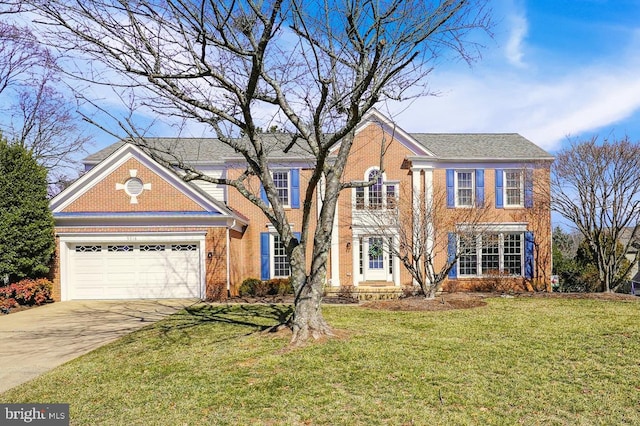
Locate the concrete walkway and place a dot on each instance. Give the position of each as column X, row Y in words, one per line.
column 35, row 341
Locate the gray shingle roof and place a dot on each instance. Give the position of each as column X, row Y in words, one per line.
column 445, row 146
column 210, row 150
column 481, row 146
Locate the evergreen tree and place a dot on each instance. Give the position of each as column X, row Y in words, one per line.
column 26, row 224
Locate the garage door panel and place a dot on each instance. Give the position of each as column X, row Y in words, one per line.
column 124, row 271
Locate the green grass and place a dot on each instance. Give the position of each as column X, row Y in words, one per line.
column 516, row 361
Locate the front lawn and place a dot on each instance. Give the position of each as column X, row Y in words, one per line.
column 515, row 361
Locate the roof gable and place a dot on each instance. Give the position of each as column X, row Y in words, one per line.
column 375, row 118
column 130, row 181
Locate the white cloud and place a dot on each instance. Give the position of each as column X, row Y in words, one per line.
column 543, row 109
column 514, row 46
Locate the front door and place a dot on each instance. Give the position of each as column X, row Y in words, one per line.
column 376, row 258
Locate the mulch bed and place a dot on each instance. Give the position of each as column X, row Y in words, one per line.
column 443, row 302
column 448, row 301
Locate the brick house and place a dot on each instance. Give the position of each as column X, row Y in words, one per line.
column 131, row 228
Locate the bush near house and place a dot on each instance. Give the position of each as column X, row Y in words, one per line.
column 26, row 292
column 259, row 288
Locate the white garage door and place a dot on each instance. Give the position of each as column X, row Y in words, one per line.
column 134, row 271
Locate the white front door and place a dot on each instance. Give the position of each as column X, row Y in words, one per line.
column 376, row 257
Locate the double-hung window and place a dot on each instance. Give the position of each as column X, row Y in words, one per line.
column 279, row 259
column 464, row 188
column 281, row 181
column 274, row 262
column 513, row 188
column 287, row 185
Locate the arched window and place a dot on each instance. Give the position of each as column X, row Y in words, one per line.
column 375, row 190
column 380, row 195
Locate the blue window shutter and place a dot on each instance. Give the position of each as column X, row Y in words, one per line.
column 528, row 189
column 479, row 188
column 499, row 189
column 528, row 254
column 265, row 274
column 451, row 195
column 263, row 194
column 297, row 235
column 452, row 247
column 295, row 188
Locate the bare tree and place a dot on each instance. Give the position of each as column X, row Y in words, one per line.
column 596, row 186
column 428, row 237
column 20, row 54
column 538, row 219
column 43, row 121
column 40, row 117
column 313, row 68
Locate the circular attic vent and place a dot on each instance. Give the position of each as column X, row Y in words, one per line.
column 134, row 187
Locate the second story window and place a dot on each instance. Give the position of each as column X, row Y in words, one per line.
column 287, row 185
column 513, row 188
column 281, row 181
column 464, row 188
column 375, row 190
column 382, row 194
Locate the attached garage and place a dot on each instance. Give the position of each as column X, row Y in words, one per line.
column 144, row 269
column 130, row 228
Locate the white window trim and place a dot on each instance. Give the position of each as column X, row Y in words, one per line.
column 288, row 172
column 272, row 234
column 272, row 258
column 504, row 188
column 385, row 184
column 501, row 234
column 473, row 187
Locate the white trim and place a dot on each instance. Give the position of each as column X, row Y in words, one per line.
column 415, row 185
column 159, row 220
column 366, row 190
column 289, row 192
column 493, row 227
column 272, row 256
column 430, row 163
column 228, row 262
column 456, row 187
column 504, row 188
column 335, row 250
column 355, row 258
column 501, row 254
column 429, row 207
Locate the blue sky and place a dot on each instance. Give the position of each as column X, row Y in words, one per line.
column 554, row 69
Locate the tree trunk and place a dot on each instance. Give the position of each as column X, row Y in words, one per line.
column 433, row 289
column 308, row 321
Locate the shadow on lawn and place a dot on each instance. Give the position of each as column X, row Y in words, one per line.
column 251, row 318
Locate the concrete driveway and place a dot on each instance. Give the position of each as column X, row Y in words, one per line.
column 35, row 341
